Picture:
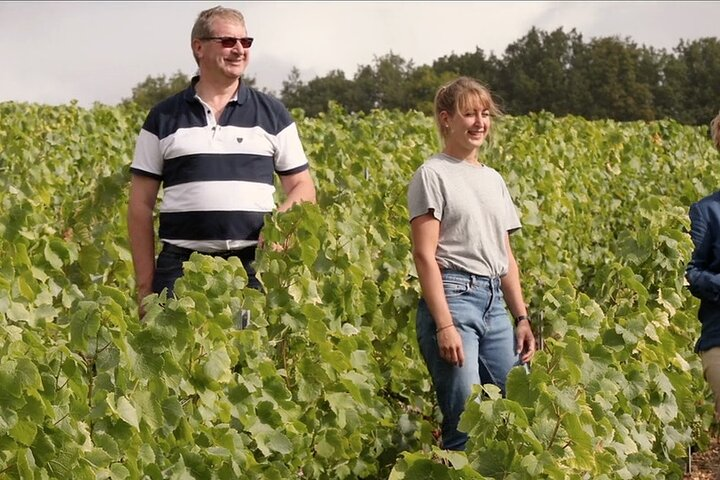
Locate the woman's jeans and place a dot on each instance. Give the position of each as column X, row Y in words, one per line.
column 169, row 266
column 479, row 313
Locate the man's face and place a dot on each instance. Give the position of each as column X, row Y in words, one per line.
column 214, row 59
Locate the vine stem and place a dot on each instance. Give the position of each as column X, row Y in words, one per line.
column 7, row 468
column 555, row 431
column 57, row 375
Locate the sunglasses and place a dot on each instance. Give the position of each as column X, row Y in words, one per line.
column 229, row 42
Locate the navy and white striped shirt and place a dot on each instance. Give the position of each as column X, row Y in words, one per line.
column 217, row 177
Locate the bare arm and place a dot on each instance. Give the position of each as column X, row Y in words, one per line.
column 512, row 292
column 425, row 231
column 298, row 188
column 143, row 195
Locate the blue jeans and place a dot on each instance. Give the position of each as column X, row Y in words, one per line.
column 169, row 266
column 479, row 313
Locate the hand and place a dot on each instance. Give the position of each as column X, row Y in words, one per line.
column 525, row 341
column 275, row 247
column 142, row 294
column 451, row 348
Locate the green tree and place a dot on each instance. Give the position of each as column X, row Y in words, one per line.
column 606, row 82
column 365, row 98
column 655, row 69
column 474, row 65
column 391, row 79
column 293, row 90
column 384, row 84
column 699, row 65
column 607, row 78
column 321, row 90
column 422, row 84
column 154, row 89
column 535, row 72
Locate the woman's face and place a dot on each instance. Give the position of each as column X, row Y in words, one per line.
column 467, row 128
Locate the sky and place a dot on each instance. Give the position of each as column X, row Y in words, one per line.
column 56, row 52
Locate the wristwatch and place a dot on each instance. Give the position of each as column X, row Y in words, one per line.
column 520, row 318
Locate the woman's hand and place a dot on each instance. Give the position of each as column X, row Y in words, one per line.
column 525, row 341
column 450, row 345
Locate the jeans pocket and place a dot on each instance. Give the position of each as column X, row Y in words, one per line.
column 455, row 287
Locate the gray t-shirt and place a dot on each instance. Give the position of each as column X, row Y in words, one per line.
column 475, row 212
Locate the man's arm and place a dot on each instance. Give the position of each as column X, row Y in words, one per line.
column 703, row 284
column 143, row 195
column 298, row 188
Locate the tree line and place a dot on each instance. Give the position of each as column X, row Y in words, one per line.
column 558, row 72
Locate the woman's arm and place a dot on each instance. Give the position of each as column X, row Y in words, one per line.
column 512, row 291
column 425, row 231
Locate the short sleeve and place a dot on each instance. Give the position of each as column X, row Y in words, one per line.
column 290, row 156
column 511, row 220
column 425, row 194
column 148, row 159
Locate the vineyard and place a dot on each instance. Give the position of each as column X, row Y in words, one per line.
column 327, row 382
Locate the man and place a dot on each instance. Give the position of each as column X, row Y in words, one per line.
column 703, row 276
column 214, row 147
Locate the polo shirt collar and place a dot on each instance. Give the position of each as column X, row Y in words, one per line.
column 241, row 95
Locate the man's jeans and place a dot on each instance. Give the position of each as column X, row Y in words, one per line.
column 479, row 313
column 169, row 267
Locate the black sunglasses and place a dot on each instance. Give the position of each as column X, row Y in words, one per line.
column 229, row 42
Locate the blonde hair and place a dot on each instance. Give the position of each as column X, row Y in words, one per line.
column 203, row 25
column 459, row 94
column 715, row 131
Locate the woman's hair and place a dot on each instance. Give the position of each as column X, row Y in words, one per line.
column 459, row 94
column 715, row 131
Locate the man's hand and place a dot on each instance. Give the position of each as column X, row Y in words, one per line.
column 275, row 247
column 141, row 296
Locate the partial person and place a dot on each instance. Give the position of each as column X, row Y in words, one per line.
column 461, row 218
column 703, row 276
column 215, row 149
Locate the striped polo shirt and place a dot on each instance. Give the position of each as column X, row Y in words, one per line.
column 217, row 177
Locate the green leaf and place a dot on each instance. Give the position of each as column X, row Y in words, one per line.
column 172, row 411
column 518, row 388
column 119, row 472
column 107, row 443
column 26, row 464
column 52, row 258
column 280, row 443
column 127, row 412
column 217, row 366
column 24, row 432
column 531, row 464
column 27, row 375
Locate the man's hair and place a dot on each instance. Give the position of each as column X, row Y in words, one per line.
column 715, row 131
column 203, row 24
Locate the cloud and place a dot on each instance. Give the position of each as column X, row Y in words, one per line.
column 98, row 51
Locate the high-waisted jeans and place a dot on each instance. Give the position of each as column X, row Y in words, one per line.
column 480, row 315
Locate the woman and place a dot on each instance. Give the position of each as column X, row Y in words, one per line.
column 703, row 276
column 461, row 215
